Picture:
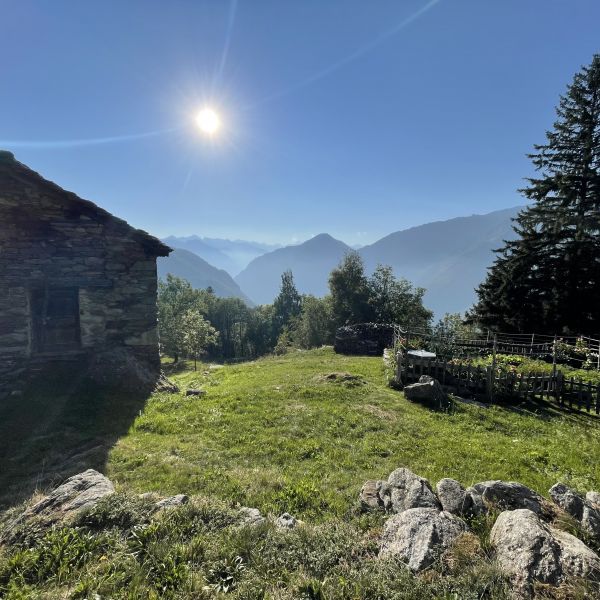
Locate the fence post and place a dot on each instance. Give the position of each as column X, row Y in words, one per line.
column 489, row 384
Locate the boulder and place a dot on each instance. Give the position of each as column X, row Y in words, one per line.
column 418, row 536
column 569, row 500
column 250, row 516
column 406, row 490
column 455, row 499
column 593, row 498
column 172, row 501
column 508, row 495
column 369, row 495
column 78, row 493
column 529, row 551
column 285, row 521
column 427, row 391
column 581, row 509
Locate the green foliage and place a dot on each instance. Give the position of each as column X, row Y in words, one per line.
column 547, row 279
column 395, row 300
column 314, row 327
column 122, row 511
column 198, row 334
column 288, row 304
column 349, row 289
column 381, row 298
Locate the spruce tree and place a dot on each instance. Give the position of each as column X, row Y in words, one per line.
column 548, row 279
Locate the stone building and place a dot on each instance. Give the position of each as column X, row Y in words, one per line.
column 76, row 283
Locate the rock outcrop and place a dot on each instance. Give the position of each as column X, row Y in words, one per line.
column 508, row 495
column 582, row 509
column 455, row 499
column 78, row 493
column 530, row 551
column 418, row 536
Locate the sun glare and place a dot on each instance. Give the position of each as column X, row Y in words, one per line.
column 208, row 121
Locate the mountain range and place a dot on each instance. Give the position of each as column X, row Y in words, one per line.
column 201, row 274
column 448, row 258
column 230, row 255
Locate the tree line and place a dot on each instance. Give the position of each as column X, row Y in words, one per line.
column 194, row 323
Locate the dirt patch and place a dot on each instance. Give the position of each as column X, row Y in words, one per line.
column 379, row 412
column 345, row 378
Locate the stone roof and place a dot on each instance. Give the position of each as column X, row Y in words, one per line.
column 19, row 172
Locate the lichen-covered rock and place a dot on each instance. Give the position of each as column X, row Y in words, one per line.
column 454, row 498
column 172, row 501
column 569, row 500
column 286, row 521
column 418, row 536
column 529, row 551
column 369, row 497
column 406, row 490
column 578, row 507
column 594, row 499
column 509, row 495
column 250, row 516
column 78, row 493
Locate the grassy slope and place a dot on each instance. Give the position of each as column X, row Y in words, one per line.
column 275, row 435
column 271, row 434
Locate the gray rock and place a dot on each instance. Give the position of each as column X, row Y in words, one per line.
column 590, row 520
column 172, row 501
column 578, row 507
column 568, row 499
column 418, row 536
column 195, row 392
column 427, row 391
column 286, row 521
column 478, row 506
column 407, row 490
column 509, row 495
column 453, row 497
column 369, row 495
column 529, row 551
column 250, row 516
column 78, row 493
column 593, row 498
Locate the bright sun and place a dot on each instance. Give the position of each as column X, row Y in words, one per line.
column 208, row 121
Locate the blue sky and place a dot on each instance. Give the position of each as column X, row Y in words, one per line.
column 352, row 117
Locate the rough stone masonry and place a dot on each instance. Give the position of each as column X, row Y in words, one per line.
column 75, row 281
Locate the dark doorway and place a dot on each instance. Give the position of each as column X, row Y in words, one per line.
column 55, row 315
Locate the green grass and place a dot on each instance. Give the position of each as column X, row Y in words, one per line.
column 277, row 435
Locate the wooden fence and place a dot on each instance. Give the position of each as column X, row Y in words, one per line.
column 489, row 384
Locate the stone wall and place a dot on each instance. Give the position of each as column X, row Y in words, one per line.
column 364, row 339
column 50, row 238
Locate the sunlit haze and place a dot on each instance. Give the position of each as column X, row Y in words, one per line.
column 274, row 121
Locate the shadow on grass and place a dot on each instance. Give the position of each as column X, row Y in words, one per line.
column 60, row 426
column 548, row 409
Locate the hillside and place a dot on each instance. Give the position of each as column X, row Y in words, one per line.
column 448, row 258
column 230, row 255
column 277, row 435
column 199, row 273
column 311, row 263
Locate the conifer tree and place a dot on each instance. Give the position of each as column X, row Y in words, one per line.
column 548, row 279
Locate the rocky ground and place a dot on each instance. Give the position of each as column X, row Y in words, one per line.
column 513, row 542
